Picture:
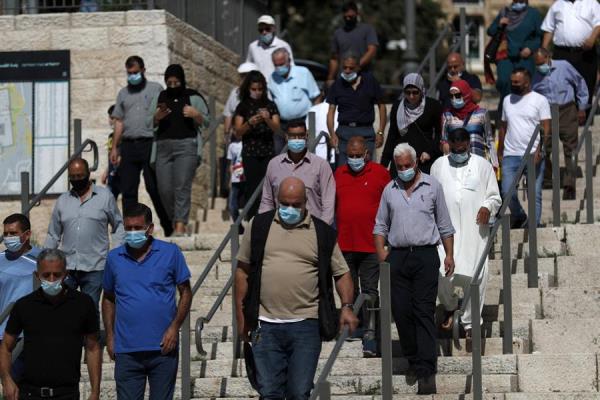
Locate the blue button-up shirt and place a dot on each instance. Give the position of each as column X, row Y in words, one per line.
column 420, row 219
column 293, row 94
column 559, row 85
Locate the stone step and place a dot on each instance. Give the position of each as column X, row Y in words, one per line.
column 581, row 237
column 549, row 336
column 467, row 396
column 557, row 372
column 581, row 271
column 571, row 302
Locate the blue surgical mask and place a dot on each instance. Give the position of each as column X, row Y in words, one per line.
column 458, row 103
column 459, row 158
column 13, row 243
column 356, row 164
column 135, row 79
column 518, row 6
column 543, row 69
column 136, row 239
column 296, row 145
column 282, row 70
column 267, row 38
column 51, row 288
column 407, row 175
column 290, row 215
column 351, row 77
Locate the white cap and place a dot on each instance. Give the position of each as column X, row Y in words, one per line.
column 246, row 67
column 266, row 19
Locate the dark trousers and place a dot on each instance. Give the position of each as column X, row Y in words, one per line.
column 286, row 357
column 567, row 131
column 135, row 158
column 255, row 169
column 414, row 283
column 132, row 370
column 584, row 61
column 364, row 269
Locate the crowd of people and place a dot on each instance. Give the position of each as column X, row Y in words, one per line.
column 323, row 220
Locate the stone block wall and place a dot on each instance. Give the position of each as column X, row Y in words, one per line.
column 99, row 44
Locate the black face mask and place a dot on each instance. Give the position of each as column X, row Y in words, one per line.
column 175, row 91
column 80, row 184
column 350, row 23
column 518, row 90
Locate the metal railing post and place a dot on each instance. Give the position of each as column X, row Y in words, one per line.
column 476, row 341
column 312, row 129
column 507, row 337
column 324, row 390
column 532, row 261
column 186, row 387
column 150, row 5
column 463, row 33
column 235, row 246
column 589, row 178
column 432, row 69
column 556, row 181
column 213, row 155
column 76, row 134
column 385, row 302
column 25, row 193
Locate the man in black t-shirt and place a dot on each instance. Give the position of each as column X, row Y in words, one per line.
column 55, row 321
column 455, row 71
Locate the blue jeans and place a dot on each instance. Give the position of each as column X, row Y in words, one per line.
column 237, row 188
column 90, row 283
column 286, row 357
column 132, row 370
column 510, row 166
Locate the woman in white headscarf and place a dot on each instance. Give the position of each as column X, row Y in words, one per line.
column 417, row 120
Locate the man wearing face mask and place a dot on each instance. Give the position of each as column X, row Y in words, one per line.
column 260, row 51
column 17, row 265
column 311, row 169
column 411, row 221
column 359, row 185
column 472, row 197
column 456, row 71
column 139, row 312
column 133, row 136
column 54, row 321
column 560, row 83
column 355, row 37
column 287, row 264
column 79, row 225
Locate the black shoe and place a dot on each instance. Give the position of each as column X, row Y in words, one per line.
column 411, row 377
column 427, row 385
column 168, row 230
column 568, row 193
column 518, row 223
column 547, row 185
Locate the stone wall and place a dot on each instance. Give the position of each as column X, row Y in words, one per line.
column 100, row 43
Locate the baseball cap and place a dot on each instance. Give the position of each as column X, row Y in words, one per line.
column 266, row 19
column 246, row 67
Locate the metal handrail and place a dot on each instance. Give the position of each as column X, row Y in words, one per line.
column 588, row 123
column 321, row 384
column 6, row 312
column 432, row 50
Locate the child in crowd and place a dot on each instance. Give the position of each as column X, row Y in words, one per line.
column 110, row 177
column 234, row 156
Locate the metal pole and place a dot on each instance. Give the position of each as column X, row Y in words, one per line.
column 476, row 341
column 186, row 387
column 386, row 330
column 556, row 183
column 432, row 69
column 312, row 128
column 410, row 55
column 213, row 155
column 324, row 390
column 507, row 338
column 76, row 134
column 532, row 261
column 589, row 178
column 463, row 33
column 235, row 246
column 25, row 193
column 150, row 4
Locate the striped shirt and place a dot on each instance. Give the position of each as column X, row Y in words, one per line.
column 480, row 131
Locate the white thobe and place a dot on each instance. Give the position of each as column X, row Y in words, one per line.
column 467, row 188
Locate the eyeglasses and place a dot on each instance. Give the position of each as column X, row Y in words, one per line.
column 412, row 92
column 456, row 96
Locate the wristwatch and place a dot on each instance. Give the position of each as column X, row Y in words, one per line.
column 380, row 133
column 348, row 305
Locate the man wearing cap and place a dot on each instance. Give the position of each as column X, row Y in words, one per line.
column 260, row 51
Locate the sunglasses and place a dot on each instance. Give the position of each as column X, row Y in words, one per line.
column 412, row 92
column 265, row 29
column 456, row 96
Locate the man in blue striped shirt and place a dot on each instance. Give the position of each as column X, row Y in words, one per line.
column 561, row 84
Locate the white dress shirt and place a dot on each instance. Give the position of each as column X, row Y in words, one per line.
column 572, row 22
column 261, row 55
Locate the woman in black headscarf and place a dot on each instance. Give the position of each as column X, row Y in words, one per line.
column 179, row 114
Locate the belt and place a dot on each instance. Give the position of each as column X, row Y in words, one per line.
column 136, row 140
column 48, row 392
column 356, row 124
column 414, row 248
column 569, row 49
column 287, row 121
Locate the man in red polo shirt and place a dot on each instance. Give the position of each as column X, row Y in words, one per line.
column 359, row 185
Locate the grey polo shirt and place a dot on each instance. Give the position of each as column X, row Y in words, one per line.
column 81, row 228
column 356, row 40
column 419, row 220
column 133, row 108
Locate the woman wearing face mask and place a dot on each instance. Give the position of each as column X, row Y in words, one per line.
column 520, row 27
column 180, row 115
column 464, row 113
column 414, row 119
column 256, row 119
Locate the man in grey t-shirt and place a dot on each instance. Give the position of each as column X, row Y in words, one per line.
column 354, row 37
column 134, row 132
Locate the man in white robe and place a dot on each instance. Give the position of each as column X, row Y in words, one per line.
column 472, row 196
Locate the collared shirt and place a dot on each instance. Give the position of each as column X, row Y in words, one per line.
column 572, row 22
column 16, row 279
column 289, row 284
column 260, row 54
column 294, row 93
column 317, row 177
column 559, row 85
column 81, row 228
column 357, row 200
column 133, row 108
column 145, row 294
column 420, row 219
column 356, row 105
column 53, row 334
column 232, row 102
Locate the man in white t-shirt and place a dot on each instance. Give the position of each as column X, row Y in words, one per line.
column 322, row 150
column 522, row 111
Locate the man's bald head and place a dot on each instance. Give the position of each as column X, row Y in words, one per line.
column 357, row 147
column 292, row 192
column 455, row 63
